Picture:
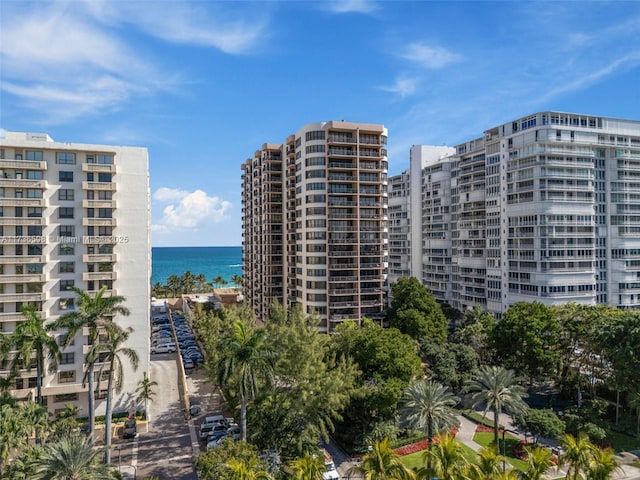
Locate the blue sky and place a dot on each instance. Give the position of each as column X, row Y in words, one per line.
column 203, row 84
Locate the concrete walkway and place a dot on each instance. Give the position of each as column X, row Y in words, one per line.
column 466, row 431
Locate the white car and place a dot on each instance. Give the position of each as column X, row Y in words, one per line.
column 164, row 348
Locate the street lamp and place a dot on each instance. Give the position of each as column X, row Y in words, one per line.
column 504, row 448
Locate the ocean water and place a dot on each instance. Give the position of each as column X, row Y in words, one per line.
column 211, row 261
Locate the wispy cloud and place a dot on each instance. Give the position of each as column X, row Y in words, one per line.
column 351, row 6
column 189, row 210
column 403, row 86
column 70, row 59
column 430, row 57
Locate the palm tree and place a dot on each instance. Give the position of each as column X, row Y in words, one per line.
column 601, row 465
column 23, row 466
column 15, row 430
column 245, row 359
column 145, row 392
column 188, row 281
column 577, row 455
column 174, row 284
column 110, row 351
column 201, row 283
column 31, row 336
column 539, row 461
column 237, row 280
column 496, row 389
column 72, row 458
column 488, row 466
column 66, row 423
column 446, row 460
column 381, row 463
column 219, row 281
column 309, row 467
column 426, row 406
column 94, row 313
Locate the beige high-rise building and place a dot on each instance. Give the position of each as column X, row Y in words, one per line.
column 314, row 222
column 78, row 215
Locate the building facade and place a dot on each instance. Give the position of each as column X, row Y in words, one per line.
column 315, row 222
column 74, row 215
column 544, row 208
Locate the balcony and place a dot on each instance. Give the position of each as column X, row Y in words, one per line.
column 99, row 257
column 99, row 222
column 21, row 183
column 110, row 186
column 22, row 202
column 99, row 276
column 98, row 204
column 21, row 221
column 13, row 317
column 29, row 277
column 98, row 167
column 22, row 164
column 21, row 259
column 21, row 297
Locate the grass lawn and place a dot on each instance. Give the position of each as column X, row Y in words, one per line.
column 414, row 460
column 486, row 438
column 477, row 417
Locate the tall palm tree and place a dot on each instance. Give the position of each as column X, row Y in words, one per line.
column 94, row 313
column 245, row 360
column 381, row 463
column 201, row 283
column 496, row 389
column 188, row 281
column 111, row 351
column 31, row 336
column 446, row 460
column 602, row 464
column 72, row 458
column 539, row 461
column 219, row 280
column 309, row 467
column 427, row 406
column 577, row 455
column 145, row 393
column 237, row 280
column 174, row 284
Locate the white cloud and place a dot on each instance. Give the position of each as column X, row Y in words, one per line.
column 189, row 210
column 403, row 86
column 429, row 57
column 351, row 6
column 68, row 59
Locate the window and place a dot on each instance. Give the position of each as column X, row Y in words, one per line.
column 66, row 397
column 34, row 230
column 34, row 212
column 67, row 358
column 34, row 193
column 66, row 158
column 104, row 177
column 66, row 267
column 105, row 159
column 65, row 212
column 65, row 194
column 66, row 284
column 66, row 231
column 34, row 155
column 67, row 377
column 34, row 175
column 33, row 268
column 34, row 249
column 314, row 135
column 65, row 304
column 66, row 249
column 65, row 176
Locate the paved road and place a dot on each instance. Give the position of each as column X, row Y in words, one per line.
column 166, row 450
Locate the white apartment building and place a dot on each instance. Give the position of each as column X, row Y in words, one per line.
column 74, row 214
column 545, row 208
column 314, row 222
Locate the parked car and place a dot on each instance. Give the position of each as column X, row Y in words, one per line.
column 188, row 364
column 164, row 348
column 234, row 432
column 215, row 443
